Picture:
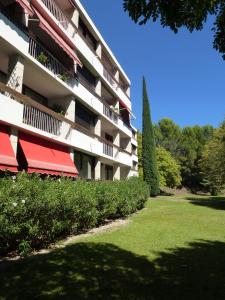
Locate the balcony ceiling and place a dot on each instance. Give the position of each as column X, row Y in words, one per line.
column 6, row 50
column 42, row 82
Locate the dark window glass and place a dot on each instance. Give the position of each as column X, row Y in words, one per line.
column 108, row 137
column 85, row 165
column 35, row 96
column 108, row 172
column 84, row 74
column 87, row 35
column 84, row 117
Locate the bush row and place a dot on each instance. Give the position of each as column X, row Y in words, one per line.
column 35, row 212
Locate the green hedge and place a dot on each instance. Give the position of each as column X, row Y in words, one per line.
column 35, row 212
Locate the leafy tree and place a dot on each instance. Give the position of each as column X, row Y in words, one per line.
column 181, row 13
column 169, row 169
column 213, row 162
column 191, row 146
column 168, row 135
column 186, row 146
column 150, row 172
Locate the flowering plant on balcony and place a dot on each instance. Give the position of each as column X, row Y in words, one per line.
column 42, row 58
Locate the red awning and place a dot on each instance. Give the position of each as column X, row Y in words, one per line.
column 123, row 105
column 43, row 24
column 7, row 156
column 45, row 157
column 26, row 6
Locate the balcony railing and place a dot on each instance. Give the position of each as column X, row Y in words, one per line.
column 110, row 79
column 107, row 149
column 108, row 112
column 41, row 120
column 89, row 86
column 49, row 61
column 57, row 13
column 47, row 120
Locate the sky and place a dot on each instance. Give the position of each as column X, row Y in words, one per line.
column 185, row 75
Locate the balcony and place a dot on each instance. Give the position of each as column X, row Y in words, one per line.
column 30, row 115
column 108, row 112
column 87, row 84
column 110, row 79
column 107, row 149
column 43, row 56
column 41, row 120
column 57, row 13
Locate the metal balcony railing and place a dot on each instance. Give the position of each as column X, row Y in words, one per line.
column 41, row 120
column 87, row 84
column 49, row 61
column 57, row 13
column 107, row 149
column 110, row 79
column 108, row 112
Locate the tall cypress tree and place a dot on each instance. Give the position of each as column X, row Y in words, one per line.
column 150, row 171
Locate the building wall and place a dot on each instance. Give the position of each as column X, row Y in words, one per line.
column 23, row 68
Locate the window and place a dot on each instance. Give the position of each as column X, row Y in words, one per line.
column 84, row 117
column 86, row 77
column 85, row 165
column 108, row 172
column 135, row 165
column 134, row 149
column 108, row 137
column 35, row 96
column 87, row 35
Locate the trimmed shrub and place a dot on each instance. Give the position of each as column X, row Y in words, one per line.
column 35, row 212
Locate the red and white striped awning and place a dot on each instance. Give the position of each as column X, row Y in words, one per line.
column 7, row 156
column 46, row 157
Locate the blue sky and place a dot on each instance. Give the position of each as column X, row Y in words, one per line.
column 184, row 74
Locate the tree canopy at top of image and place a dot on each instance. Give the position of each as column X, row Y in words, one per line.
column 174, row 14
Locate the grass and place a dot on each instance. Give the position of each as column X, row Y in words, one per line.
column 173, row 249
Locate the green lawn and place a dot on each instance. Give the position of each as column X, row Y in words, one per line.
column 173, row 249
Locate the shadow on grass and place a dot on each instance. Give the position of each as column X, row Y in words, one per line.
column 104, row 271
column 212, row 202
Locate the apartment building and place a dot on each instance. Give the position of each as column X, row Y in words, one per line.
column 65, row 106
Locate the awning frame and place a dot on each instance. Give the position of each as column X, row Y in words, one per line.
column 55, row 31
column 26, row 6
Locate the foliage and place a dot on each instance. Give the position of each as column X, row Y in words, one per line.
column 168, row 135
column 35, row 212
column 186, row 146
column 64, row 77
column 169, row 169
column 191, row 146
column 213, row 162
column 174, row 249
column 42, row 58
column 181, row 13
column 150, row 172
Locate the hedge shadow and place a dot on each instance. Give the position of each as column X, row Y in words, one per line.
column 105, row 271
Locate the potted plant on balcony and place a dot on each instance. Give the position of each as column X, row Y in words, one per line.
column 59, row 109
column 64, row 77
column 42, row 58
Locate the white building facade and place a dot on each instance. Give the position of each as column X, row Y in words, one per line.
column 65, row 105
